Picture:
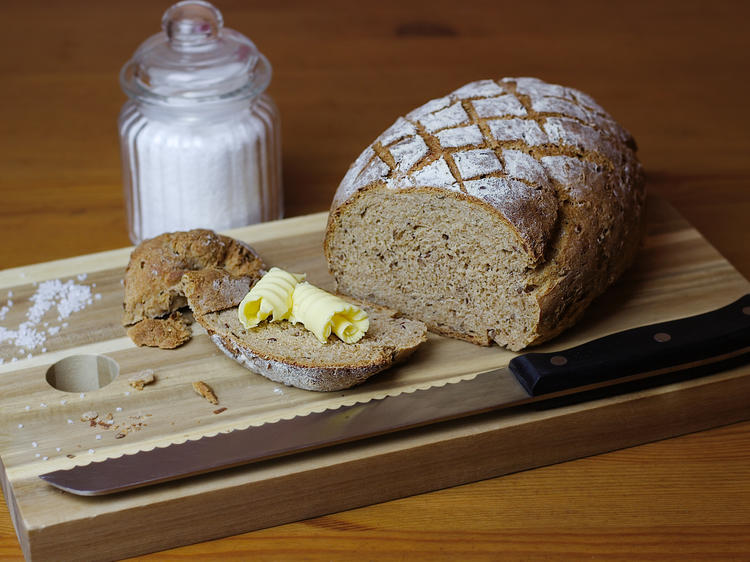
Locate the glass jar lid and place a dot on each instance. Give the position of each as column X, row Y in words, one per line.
column 195, row 60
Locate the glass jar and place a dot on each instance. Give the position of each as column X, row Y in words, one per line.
column 199, row 138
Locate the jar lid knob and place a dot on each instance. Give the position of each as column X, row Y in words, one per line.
column 192, row 23
column 195, row 60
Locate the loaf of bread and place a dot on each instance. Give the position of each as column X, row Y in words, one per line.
column 288, row 353
column 496, row 213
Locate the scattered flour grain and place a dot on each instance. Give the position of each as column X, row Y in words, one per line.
column 66, row 297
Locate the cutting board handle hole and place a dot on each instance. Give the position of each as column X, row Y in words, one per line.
column 82, row 373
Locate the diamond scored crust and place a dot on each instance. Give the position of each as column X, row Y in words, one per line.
column 519, row 145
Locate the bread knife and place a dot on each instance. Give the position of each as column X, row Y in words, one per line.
column 654, row 354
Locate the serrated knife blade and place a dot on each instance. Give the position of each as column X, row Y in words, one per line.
column 688, row 347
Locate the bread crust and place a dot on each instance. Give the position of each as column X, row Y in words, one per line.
column 154, row 288
column 320, row 379
column 153, row 276
column 212, row 290
column 166, row 333
column 547, row 161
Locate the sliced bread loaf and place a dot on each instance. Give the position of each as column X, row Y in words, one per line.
column 287, row 353
column 496, row 213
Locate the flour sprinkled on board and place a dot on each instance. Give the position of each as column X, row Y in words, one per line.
column 62, row 297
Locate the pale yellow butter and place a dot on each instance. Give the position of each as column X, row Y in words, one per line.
column 271, row 295
column 321, row 313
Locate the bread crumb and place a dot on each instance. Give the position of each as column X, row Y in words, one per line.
column 121, row 430
column 89, row 416
column 220, row 410
column 142, row 379
column 205, row 391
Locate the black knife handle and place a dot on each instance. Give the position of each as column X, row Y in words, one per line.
column 667, row 347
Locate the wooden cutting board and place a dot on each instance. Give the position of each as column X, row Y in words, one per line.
column 45, row 428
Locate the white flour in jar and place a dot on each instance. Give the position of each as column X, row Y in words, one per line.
column 201, row 175
column 199, row 136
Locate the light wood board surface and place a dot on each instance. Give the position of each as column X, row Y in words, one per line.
column 675, row 73
column 677, row 274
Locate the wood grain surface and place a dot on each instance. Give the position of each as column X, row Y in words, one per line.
column 674, row 73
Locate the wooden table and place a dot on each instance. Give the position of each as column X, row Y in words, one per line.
column 674, row 73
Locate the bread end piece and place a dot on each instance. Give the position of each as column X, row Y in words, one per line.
column 152, row 282
column 162, row 269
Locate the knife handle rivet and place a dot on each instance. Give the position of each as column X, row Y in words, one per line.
column 558, row 360
column 746, row 311
column 662, row 337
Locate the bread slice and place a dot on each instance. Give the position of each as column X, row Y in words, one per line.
column 289, row 354
column 496, row 213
